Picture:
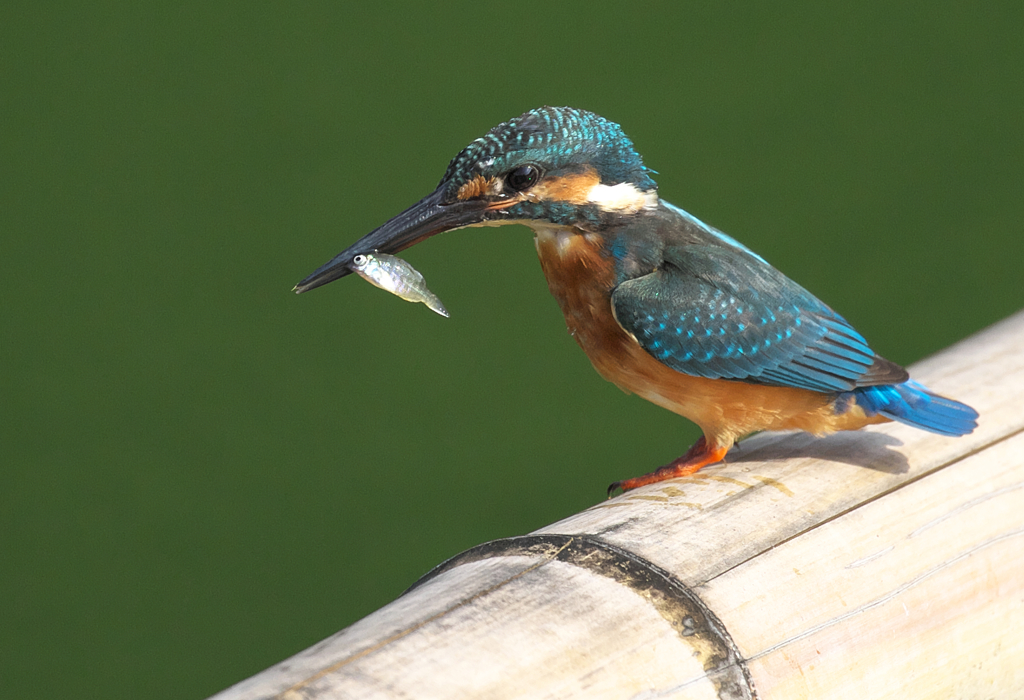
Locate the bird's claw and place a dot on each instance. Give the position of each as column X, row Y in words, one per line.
column 615, row 486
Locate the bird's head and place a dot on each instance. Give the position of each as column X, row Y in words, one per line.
column 553, row 165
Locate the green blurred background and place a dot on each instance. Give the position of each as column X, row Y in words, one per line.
column 203, row 473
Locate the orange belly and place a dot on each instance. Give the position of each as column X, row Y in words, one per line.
column 581, row 278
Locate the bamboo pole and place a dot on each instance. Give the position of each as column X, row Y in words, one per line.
column 885, row 563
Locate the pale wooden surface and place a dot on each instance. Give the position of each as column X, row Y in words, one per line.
column 886, row 563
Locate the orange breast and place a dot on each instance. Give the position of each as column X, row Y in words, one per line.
column 582, row 279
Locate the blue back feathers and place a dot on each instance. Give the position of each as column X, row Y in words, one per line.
column 712, row 308
column 716, row 311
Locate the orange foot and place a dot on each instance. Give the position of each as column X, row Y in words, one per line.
column 697, row 457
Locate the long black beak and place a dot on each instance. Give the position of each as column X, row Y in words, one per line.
column 427, row 217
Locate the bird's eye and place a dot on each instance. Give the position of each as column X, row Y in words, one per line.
column 523, row 177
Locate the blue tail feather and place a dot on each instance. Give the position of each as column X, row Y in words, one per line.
column 914, row 405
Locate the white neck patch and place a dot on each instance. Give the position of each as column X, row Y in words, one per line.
column 623, row 197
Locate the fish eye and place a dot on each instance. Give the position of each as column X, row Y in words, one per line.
column 359, row 260
column 523, row 177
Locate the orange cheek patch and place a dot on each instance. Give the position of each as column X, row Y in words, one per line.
column 574, row 189
column 477, row 187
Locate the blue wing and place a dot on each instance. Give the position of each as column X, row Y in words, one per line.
column 722, row 313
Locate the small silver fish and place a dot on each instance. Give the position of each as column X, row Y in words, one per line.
column 395, row 275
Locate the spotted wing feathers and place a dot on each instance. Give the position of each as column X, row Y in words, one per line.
column 719, row 312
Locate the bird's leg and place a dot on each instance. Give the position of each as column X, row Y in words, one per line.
column 698, row 456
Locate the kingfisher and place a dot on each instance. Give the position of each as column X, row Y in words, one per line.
column 665, row 306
